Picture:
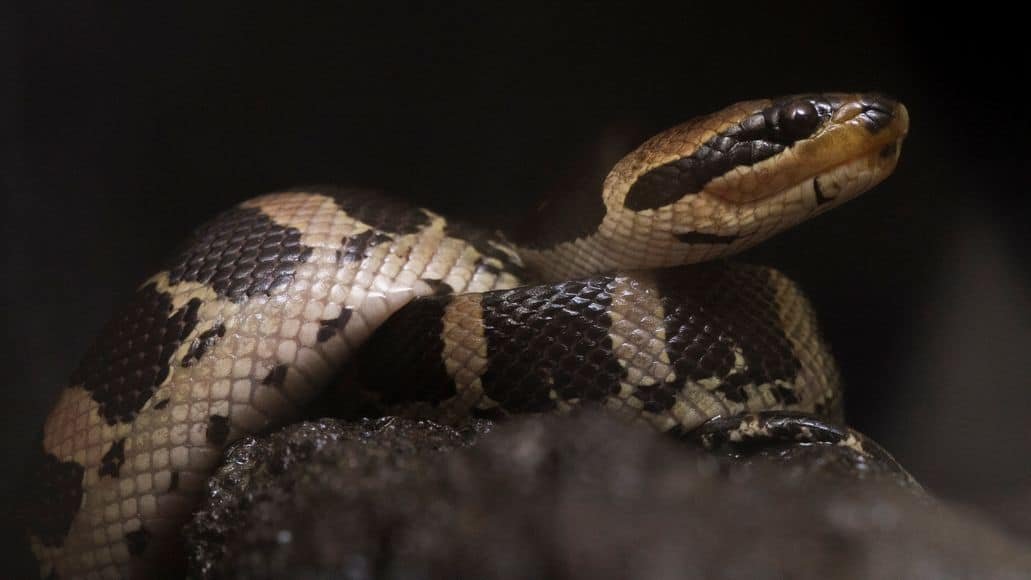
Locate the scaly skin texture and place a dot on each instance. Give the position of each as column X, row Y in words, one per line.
column 256, row 312
column 670, row 348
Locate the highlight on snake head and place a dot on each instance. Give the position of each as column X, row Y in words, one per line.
column 726, row 181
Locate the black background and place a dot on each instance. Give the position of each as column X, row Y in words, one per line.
column 125, row 126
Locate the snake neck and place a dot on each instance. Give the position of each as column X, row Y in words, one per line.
column 617, row 243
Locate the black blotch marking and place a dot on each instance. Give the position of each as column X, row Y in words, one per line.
column 137, row 541
column 276, row 377
column 785, row 395
column 403, row 361
column 241, row 253
column 704, row 238
column 759, row 136
column 51, row 501
column 331, row 327
column 658, row 397
column 711, row 309
column 539, row 339
column 173, row 482
column 820, row 197
column 550, row 338
column 889, row 150
column 202, row 344
column 481, row 241
column 771, row 432
column 161, row 404
column 485, row 266
column 131, row 357
column 440, row 287
column 218, row 430
column 356, row 247
column 112, row 461
column 379, row 210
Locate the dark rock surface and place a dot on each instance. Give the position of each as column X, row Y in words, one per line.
column 584, row 497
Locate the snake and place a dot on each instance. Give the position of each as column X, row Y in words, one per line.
column 614, row 296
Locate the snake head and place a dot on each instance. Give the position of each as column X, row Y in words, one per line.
column 726, row 181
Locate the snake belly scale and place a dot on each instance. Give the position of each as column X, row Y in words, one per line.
column 257, row 313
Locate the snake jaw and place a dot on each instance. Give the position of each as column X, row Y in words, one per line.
column 810, row 154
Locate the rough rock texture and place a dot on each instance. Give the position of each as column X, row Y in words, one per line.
column 583, row 497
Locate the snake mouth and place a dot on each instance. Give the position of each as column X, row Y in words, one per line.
column 861, row 127
column 755, row 150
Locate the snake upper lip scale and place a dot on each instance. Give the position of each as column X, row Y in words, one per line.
column 260, row 309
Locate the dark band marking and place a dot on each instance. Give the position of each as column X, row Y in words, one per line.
column 769, row 431
column 53, row 498
column 759, row 136
column 820, row 197
column 137, row 541
column 550, row 338
column 218, row 430
column 131, row 357
column 161, row 404
column 713, row 309
column 889, row 150
column 276, row 377
column 440, row 287
column 381, row 211
column 404, row 359
column 202, row 344
column 482, row 265
column 355, row 248
column 658, row 397
column 481, row 241
column 331, row 327
column 704, row 238
column 112, row 461
column 173, row 482
column 241, row 253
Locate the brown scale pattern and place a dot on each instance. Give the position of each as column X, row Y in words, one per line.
column 241, row 253
column 733, row 338
column 722, row 322
column 130, row 359
column 550, row 343
column 381, row 211
column 54, row 498
column 403, row 361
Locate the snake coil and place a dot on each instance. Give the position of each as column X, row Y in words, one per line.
column 261, row 308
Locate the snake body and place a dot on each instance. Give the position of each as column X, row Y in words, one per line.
column 274, row 301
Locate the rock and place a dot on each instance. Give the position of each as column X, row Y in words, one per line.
column 556, row 497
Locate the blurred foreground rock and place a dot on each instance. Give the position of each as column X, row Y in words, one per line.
column 585, row 497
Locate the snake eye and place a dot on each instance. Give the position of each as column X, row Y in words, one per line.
column 798, row 120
